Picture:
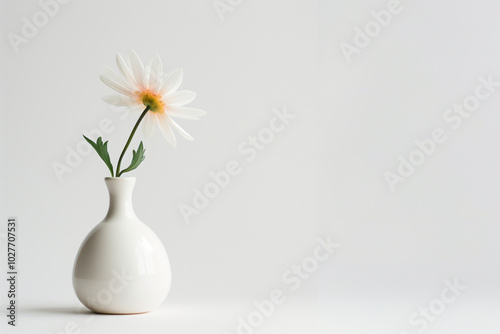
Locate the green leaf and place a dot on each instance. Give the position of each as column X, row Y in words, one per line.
column 102, row 149
column 137, row 157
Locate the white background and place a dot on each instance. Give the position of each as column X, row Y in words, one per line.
column 323, row 174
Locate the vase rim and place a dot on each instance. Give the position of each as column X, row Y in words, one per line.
column 119, row 178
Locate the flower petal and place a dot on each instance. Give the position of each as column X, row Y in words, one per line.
column 118, row 100
column 149, row 125
column 113, row 76
column 113, row 85
column 171, row 82
column 185, row 112
column 165, row 129
column 155, row 70
column 125, row 70
column 180, row 98
column 181, row 130
column 137, row 69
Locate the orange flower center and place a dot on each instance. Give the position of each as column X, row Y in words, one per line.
column 152, row 100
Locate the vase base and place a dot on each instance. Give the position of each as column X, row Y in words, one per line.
column 119, row 313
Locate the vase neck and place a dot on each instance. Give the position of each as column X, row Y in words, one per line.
column 120, row 199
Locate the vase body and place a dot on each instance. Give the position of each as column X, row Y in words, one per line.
column 121, row 266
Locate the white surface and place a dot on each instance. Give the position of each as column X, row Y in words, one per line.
column 322, row 174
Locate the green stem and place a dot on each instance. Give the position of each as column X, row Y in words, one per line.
column 118, row 173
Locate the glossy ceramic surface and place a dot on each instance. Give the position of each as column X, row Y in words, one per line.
column 122, row 266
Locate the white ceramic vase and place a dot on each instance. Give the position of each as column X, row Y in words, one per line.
column 121, row 266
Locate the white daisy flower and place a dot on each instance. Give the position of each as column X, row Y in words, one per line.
column 141, row 86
